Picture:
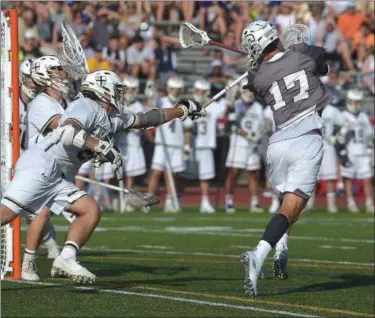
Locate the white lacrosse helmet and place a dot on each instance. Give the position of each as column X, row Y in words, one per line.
column 107, row 87
column 25, row 74
column 132, row 85
column 175, row 86
column 45, row 72
column 202, row 90
column 256, row 37
column 353, row 100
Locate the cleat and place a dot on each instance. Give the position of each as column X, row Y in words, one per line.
column 370, row 208
column 169, row 207
column 332, row 208
column 69, row 267
column 230, row 209
column 352, row 208
column 53, row 251
column 29, row 271
column 280, row 264
column 206, row 207
column 146, row 209
column 251, row 272
column 256, row 209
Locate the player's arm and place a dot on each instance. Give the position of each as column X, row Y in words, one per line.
column 44, row 119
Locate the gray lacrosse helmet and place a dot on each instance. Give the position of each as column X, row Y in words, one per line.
column 256, row 37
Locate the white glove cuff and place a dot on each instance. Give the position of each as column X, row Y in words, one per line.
column 186, row 112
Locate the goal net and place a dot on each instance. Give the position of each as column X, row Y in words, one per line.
column 10, row 146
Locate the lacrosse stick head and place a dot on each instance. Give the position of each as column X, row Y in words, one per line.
column 190, row 36
column 140, row 200
column 72, row 57
column 295, row 33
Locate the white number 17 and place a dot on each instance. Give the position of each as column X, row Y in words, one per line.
column 290, row 82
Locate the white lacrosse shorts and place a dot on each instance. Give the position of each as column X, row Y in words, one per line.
column 243, row 158
column 360, row 169
column 294, row 164
column 206, row 163
column 175, row 155
column 39, row 182
column 104, row 172
column 134, row 163
column 328, row 169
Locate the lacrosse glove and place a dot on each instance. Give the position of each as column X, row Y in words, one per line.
column 112, row 154
column 191, row 109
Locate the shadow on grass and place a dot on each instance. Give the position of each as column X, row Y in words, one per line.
column 345, row 281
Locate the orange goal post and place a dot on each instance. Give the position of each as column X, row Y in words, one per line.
column 10, row 254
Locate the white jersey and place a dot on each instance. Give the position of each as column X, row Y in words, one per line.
column 333, row 120
column 23, row 125
column 95, row 121
column 205, row 127
column 173, row 131
column 361, row 126
column 249, row 119
column 130, row 138
column 42, row 110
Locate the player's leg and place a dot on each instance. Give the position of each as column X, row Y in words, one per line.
column 253, row 166
column 331, row 196
column 7, row 215
column 206, row 167
column 294, row 173
column 348, row 174
column 365, row 172
column 369, row 192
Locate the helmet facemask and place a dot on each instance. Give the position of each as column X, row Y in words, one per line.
column 27, row 85
column 247, row 96
column 353, row 105
column 120, row 95
column 130, row 95
column 200, row 95
column 59, row 79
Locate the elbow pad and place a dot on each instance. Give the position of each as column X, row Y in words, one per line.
column 71, row 136
column 151, row 118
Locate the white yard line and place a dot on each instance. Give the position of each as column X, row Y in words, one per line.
column 236, row 256
column 175, row 299
column 333, row 247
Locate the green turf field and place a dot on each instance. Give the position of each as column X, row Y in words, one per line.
column 187, row 265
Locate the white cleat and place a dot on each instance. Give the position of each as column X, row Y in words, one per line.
column 274, row 206
column 146, row 209
column 53, row 251
column 230, row 209
column 370, row 208
column 256, row 209
column 169, row 207
column 69, row 267
column 206, row 207
column 252, row 269
column 332, row 208
column 352, row 208
column 280, row 264
column 29, row 271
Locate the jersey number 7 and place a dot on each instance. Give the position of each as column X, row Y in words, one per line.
column 290, row 82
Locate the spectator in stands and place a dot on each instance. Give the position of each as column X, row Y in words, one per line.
column 362, row 40
column 212, row 17
column 231, row 58
column 367, row 71
column 97, row 62
column 59, row 15
column 285, row 16
column 27, row 23
column 30, row 48
column 141, row 59
column 45, row 26
column 166, row 59
column 87, row 49
column 102, row 28
column 114, row 54
column 216, row 77
column 350, row 21
column 169, row 11
column 315, row 23
column 335, row 44
column 78, row 25
column 131, row 18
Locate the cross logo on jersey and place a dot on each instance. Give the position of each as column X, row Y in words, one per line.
column 100, row 80
column 36, row 67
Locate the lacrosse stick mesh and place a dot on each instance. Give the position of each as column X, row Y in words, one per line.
column 295, row 33
column 190, row 36
column 72, row 57
column 140, row 200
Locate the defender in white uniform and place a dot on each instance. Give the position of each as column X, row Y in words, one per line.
column 204, row 141
column 358, row 125
column 42, row 115
column 244, row 149
column 174, row 134
column 129, row 142
column 51, row 165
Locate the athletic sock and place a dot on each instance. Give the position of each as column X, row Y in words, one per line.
column 254, row 201
column 350, row 201
column 369, row 202
column 228, row 199
column 331, row 197
column 70, row 250
column 262, row 250
column 282, row 244
column 205, row 199
column 49, row 241
column 275, row 229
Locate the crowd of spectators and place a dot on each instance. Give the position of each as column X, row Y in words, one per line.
column 130, row 37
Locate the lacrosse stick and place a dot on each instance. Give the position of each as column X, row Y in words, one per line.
column 295, row 33
column 152, row 93
column 72, row 57
column 137, row 199
column 190, row 36
column 224, row 90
